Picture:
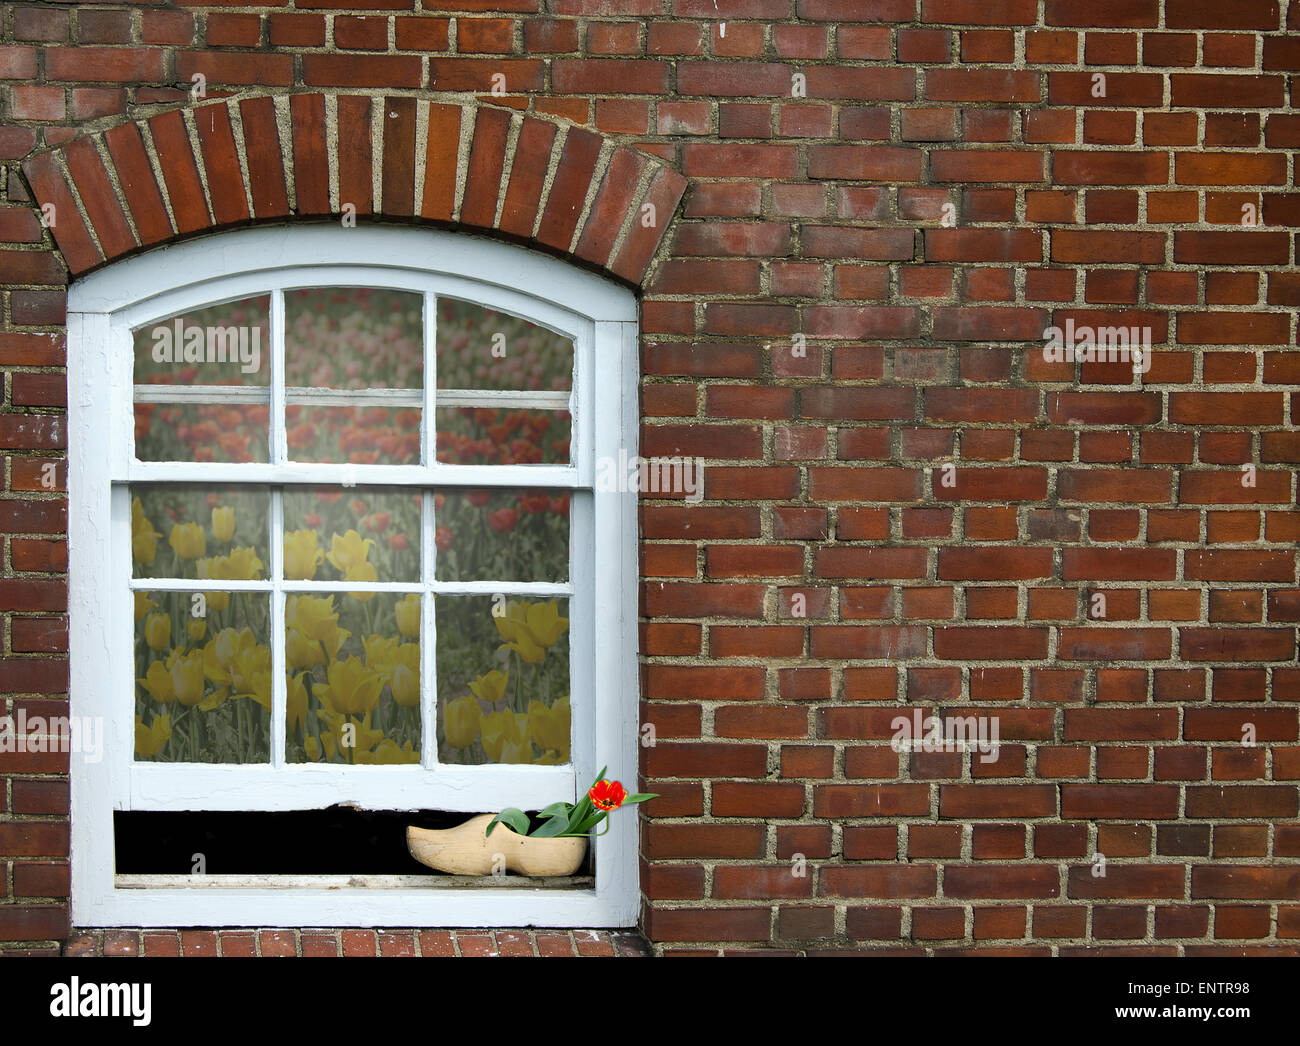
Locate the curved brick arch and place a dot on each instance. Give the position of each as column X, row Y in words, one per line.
column 550, row 184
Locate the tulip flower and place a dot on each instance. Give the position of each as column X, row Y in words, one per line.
column 549, row 727
column 158, row 631
column 348, row 551
column 490, row 688
column 150, row 740
column 188, row 540
column 157, row 682
column 607, row 795
column 223, row 523
column 187, row 678
column 301, row 556
column 404, row 679
column 144, row 539
column 462, row 721
column 353, row 689
column 408, row 615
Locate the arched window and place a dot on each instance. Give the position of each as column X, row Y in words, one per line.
column 336, row 537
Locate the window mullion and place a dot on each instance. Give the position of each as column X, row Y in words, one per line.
column 279, row 685
column 279, row 449
column 428, row 639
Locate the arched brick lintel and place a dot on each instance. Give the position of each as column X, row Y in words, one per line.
column 549, row 184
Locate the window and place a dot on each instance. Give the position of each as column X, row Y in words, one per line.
column 334, row 525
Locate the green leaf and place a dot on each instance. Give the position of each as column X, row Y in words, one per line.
column 552, row 828
column 640, row 797
column 516, row 819
column 557, row 810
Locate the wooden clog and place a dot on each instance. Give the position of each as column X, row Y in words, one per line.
column 467, row 850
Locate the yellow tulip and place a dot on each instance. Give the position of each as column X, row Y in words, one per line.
column 297, row 703
column 362, row 572
column 530, row 628
column 348, row 551
column 187, row 678
column 461, row 721
column 353, row 689
column 149, row 740
column 387, row 754
column 144, row 539
column 353, row 733
column 143, row 604
column 381, row 651
column 516, row 752
column 158, row 631
column 223, row 523
column 158, row 683
column 313, row 616
column 405, row 677
column 301, row 556
column 500, row 729
column 549, row 727
column 188, row 540
column 242, row 564
column 301, row 652
column 490, row 688
column 196, row 629
column 314, row 749
column 408, row 615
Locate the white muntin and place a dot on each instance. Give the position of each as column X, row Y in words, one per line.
column 1098, row 345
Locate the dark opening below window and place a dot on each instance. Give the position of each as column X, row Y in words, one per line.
column 337, row 841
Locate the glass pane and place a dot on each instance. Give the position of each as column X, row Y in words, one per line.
column 333, row 534
column 227, row 344
column 494, row 436
column 480, row 348
column 359, row 435
column 215, row 347
column 352, row 662
column 203, row 677
column 202, row 532
column 505, row 535
column 201, row 432
column 503, row 680
column 353, row 338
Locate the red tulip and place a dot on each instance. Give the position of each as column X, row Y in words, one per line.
column 607, row 795
column 503, row 520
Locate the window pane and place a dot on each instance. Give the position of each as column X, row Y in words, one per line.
column 495, row 436
column 201, row 384
column 353, row 338
column 227, row 344
column 203, row 677
column 359, row 435
column 200, row 432
column 353, row 666
column 480, row 348
column 337, row 534
column 503, row 680
column 202, row 532
column 503, row 535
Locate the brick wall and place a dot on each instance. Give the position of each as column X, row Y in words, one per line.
column 907, row 506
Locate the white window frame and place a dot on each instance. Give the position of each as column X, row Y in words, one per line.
column 601, row 318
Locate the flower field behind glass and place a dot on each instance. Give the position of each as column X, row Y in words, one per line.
column 353, row 665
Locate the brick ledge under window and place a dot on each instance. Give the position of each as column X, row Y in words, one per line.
column 397, row 942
